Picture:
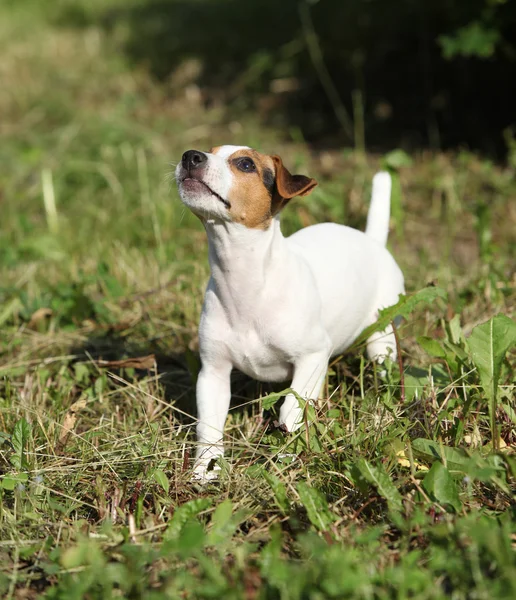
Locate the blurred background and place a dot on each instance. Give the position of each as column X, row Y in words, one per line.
column 383, row 73
column 100, row 98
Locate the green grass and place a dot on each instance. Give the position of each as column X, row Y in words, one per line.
column 386, row 499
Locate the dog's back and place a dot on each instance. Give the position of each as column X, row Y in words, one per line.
column 355, row 274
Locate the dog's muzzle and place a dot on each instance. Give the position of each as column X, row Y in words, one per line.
column 193, row 163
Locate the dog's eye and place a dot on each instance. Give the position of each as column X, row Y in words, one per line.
column 246, row 164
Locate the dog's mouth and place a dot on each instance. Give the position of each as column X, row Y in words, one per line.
column 190, row 183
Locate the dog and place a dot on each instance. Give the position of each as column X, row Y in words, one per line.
column 278, row 308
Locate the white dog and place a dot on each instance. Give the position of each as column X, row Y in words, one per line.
column 278, row 308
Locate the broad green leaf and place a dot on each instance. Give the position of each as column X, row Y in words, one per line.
column 192, row 539
column 9, row 482
column 316, row 506
column 223, row 523
column 270, row 400
column 431, row 346
column 380, row 480
column 161, row 479
column 279, row 489
column 403, row 308
column 454, row 351
column 455, row 459
column 185, row 513
column 454, row 330
column 20, row 439
column 488, row 344
column 440, row 486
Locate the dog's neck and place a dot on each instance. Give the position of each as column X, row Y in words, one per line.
column 241, row 259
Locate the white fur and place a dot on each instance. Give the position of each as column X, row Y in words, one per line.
column 379, row 212
column 278, row 308
column 227, row 151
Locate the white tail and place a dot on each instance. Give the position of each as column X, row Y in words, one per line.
column 380, row 209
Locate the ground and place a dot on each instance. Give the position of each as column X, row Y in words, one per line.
column 404, row 487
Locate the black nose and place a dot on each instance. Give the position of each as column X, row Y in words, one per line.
column 192, row 159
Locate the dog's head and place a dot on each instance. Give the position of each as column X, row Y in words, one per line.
column 239, row 184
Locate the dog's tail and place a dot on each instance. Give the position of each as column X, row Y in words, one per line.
column 379, row 212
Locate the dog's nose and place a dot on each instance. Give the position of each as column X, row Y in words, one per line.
column 192, row 159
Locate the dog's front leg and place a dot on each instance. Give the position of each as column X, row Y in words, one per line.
column 213, row 397
column 309, row 374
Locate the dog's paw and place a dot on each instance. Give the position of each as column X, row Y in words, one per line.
column 292, row 423
column 205, row 471
column 207, row 467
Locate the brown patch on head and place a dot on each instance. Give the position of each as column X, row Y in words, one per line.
column 261, row 187
column 251, row 193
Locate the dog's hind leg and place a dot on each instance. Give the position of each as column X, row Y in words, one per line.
column 309, row 375
column 382, row 344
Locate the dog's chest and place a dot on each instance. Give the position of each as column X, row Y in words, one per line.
column 237, row 325
column 254, row 351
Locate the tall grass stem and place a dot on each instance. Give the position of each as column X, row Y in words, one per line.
column 49, row 200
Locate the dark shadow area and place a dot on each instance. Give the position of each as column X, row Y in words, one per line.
column 173, row 371
column 383, row 53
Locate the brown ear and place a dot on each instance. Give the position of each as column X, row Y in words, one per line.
column 288, row 186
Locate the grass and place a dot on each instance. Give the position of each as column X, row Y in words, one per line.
column 102, row 275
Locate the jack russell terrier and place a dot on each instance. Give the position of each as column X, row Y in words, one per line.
column 278, row 308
